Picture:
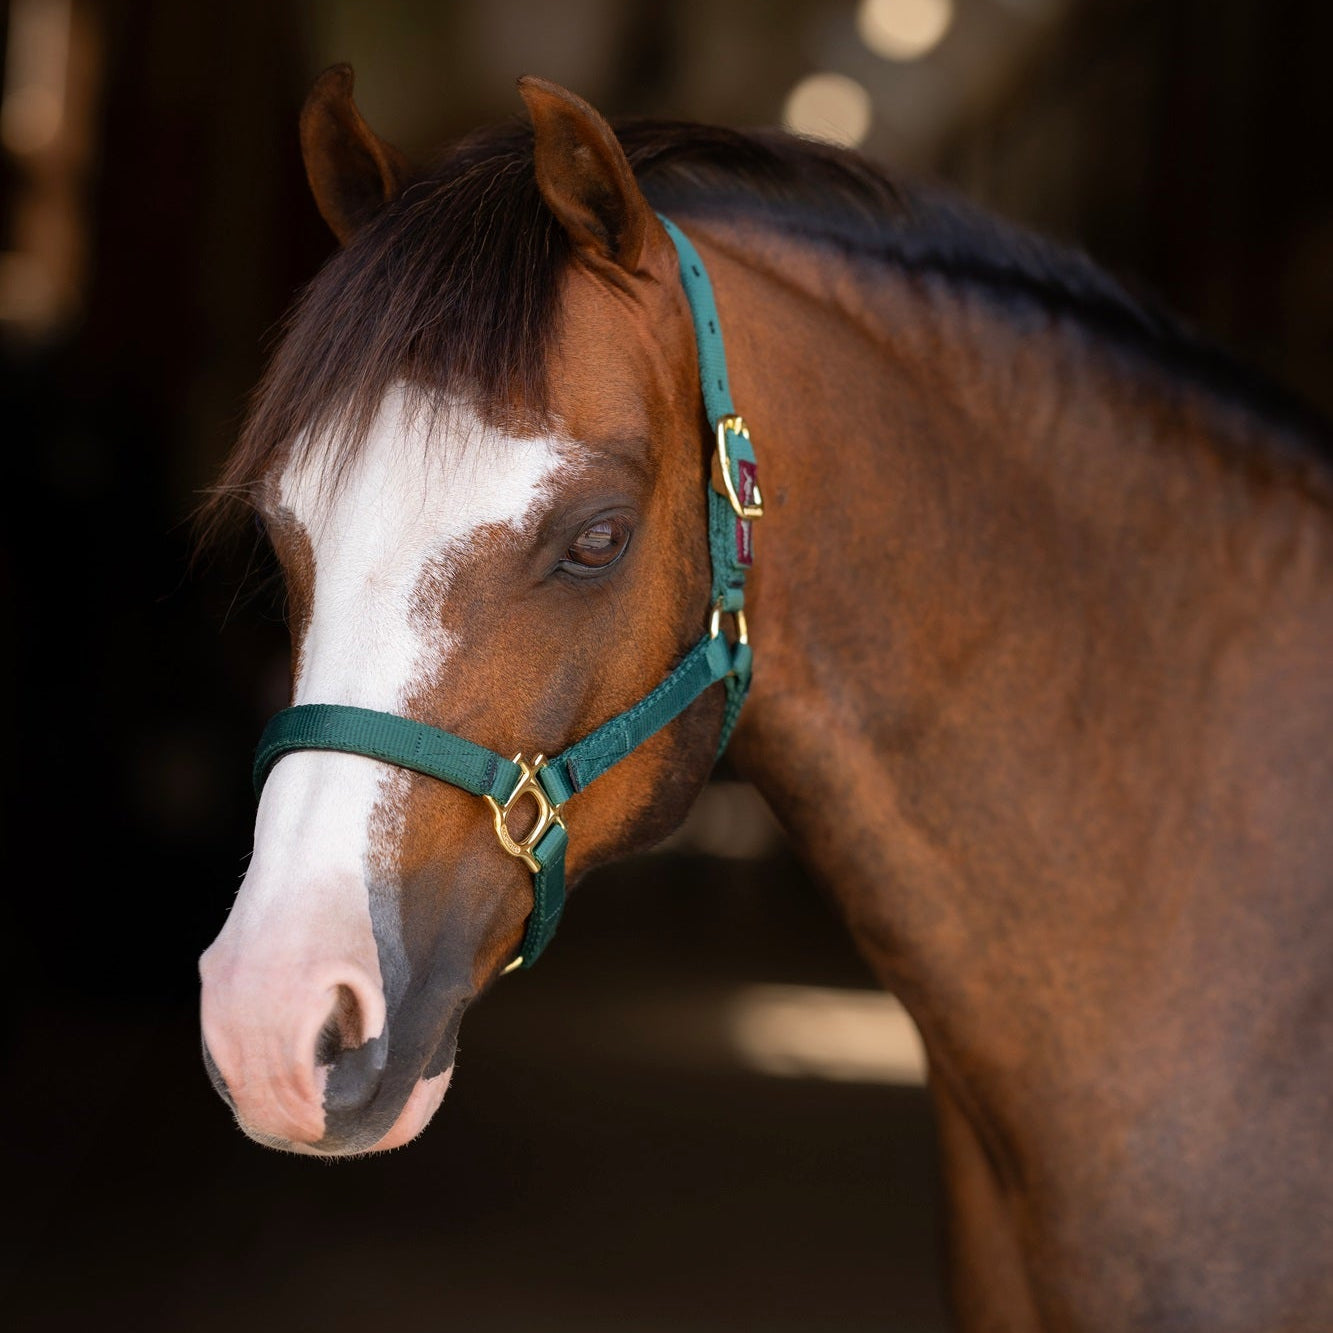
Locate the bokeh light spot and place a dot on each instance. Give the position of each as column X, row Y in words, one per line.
column 903, row 29
column 831, row 107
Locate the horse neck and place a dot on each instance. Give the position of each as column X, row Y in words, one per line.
column 1018, row 610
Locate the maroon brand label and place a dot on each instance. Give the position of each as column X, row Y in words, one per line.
column 744, row 539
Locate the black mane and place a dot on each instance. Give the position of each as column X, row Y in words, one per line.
column 830, row 196
column 453, row 287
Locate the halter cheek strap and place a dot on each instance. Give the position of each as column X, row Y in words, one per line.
column 734, row 503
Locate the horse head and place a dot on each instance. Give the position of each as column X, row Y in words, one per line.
column 480, row 458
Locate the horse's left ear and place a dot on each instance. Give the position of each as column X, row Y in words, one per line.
column 585, row 178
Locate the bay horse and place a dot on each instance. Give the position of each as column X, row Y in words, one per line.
column 1035, row 592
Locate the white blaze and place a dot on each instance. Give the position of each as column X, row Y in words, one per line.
column 391, row 523
column 301, row 923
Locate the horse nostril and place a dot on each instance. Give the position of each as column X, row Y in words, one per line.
column 343, row 1030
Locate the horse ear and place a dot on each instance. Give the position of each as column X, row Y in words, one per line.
column 584, row 176
column 352, row 172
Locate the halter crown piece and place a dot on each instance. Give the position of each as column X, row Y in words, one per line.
column 733, row 502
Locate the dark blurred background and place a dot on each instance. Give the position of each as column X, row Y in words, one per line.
column 697, row 1114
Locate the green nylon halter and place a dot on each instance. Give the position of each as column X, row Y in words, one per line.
column 733, row 502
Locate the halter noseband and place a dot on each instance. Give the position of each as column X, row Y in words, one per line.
column 733, row 502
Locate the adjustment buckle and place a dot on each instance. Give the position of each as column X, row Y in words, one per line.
column 548, row 813
column 722, row 464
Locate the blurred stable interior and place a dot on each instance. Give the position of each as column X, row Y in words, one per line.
column 696, row 1114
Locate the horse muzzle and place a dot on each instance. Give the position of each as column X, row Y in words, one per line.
column 301, row 1052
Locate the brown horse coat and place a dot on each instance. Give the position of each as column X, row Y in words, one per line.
column 1042, row 615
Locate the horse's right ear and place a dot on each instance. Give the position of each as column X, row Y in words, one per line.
column 352, row 172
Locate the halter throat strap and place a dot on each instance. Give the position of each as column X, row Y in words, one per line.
column 733, row 504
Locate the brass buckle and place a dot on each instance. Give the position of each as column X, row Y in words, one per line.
column 735, row 424
column 715, row 623
column 547, row 813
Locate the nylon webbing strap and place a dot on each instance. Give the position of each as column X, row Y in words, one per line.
column 548, row 894
column 709, row 661
column 462, row 763
column 396, row 740
column 728, row 536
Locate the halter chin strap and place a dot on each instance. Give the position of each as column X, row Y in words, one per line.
column 733, row 503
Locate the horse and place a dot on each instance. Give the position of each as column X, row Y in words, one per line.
column 1011, row 594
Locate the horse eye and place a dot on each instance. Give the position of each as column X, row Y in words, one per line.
column 599, row 544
